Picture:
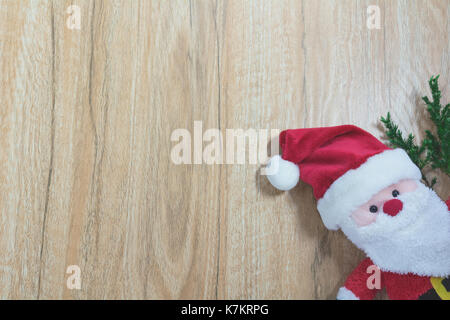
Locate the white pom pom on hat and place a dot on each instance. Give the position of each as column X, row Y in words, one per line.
column 283, row 175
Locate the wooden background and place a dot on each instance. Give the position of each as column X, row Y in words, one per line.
column 85, row 123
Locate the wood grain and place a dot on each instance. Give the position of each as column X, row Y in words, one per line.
column 87, row 115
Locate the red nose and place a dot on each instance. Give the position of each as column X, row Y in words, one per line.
column 392, row 207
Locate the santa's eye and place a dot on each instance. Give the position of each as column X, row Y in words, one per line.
column 395, row 193
column 373, row 209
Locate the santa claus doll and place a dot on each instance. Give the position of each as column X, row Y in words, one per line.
column 375, row 196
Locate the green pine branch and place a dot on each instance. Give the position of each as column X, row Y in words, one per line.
column 434, row 150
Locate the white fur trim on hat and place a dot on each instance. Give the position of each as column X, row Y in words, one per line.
column 282, row 174
column 357, row 186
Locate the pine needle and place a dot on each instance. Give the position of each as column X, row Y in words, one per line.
column 434, row 150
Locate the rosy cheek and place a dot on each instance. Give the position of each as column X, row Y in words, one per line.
column 408, row 186
column 363, row 218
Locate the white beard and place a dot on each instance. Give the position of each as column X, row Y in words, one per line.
column 416, row 240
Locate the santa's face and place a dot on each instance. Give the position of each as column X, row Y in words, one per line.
column 405, row 228
column 384, row 201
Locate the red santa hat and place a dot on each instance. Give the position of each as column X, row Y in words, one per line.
column 345, row 165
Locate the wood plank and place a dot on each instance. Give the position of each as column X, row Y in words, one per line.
column 27, row 86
